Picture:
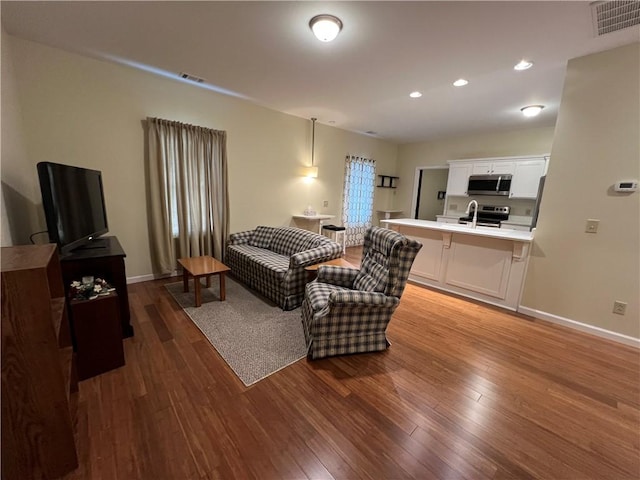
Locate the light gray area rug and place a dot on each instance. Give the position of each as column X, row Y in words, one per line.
column 255, row 337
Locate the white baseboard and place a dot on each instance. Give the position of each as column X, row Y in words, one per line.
column 151, row 276
column 584, row 327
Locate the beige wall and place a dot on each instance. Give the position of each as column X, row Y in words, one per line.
column 75, row 110
column 436, row 153
column 573, row 274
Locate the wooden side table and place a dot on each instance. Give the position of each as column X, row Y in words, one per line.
column 97, row 332
column 337, row 262
column 204, row 266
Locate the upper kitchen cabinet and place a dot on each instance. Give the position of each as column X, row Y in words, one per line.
column 493, row 168
column 458, row 178
column 526, row 178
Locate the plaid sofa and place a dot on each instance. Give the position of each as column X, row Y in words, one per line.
column 347, row 310
column 272, row 260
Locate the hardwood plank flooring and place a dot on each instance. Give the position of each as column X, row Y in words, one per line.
column 466, row 391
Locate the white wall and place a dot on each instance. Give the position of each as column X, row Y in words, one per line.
column 573, row 274
column 80, row 111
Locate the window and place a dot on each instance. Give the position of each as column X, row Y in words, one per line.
column 357, row 204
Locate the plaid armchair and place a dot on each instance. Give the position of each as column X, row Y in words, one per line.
column 347, row 310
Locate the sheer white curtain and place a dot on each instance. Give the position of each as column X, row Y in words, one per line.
column 357, row 202
column 188, row 192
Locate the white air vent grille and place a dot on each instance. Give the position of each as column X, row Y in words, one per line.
column 615, row 15
column 193, row 78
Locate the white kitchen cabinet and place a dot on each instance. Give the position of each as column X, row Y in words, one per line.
column 495, row 168
column 458, row 178
column 526, row 178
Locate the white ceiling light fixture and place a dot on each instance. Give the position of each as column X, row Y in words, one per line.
column 461, row 82
column 531, row 110
column 523, row 65
column 325, row 27
column 415, row 94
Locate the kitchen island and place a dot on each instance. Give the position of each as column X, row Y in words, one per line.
column 483, row 263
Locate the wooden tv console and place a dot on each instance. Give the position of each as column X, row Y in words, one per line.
column 102, row 258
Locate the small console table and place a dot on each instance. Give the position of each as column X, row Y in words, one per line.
column 315, row 220
column 103, row 258
column 98, row 334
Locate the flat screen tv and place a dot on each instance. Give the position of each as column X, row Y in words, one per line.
column 73, row 201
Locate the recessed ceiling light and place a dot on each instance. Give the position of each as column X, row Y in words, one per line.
column 325, row 27
column 523, row 65
column 415, row 94
column 461, row 82
column 531, row 110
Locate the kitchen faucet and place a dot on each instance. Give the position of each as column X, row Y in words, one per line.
column 475, row 213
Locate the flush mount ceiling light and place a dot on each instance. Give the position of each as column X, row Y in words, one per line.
column 461, row 82
column 523, row 65
column 325, row 27
column 531, row 110
column 415, row 94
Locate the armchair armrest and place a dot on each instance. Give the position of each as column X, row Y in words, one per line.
column 240, row 238
column 341, row 276
column 361, row 298
column 312, row 256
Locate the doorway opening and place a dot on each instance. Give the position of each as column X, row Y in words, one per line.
column 429, row 192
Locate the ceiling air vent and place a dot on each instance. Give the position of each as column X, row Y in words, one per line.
column 615, row 15
column 193, row 78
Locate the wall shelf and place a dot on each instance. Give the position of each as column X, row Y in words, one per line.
column 387, row 181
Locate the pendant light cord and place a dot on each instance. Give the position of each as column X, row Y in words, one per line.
column 313, row 139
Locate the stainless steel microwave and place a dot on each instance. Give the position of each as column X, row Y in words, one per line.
column 489, row 185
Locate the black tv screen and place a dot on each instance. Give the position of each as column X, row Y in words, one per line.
column 73, row 201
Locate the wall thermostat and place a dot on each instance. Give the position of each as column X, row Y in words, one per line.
column 626, row 186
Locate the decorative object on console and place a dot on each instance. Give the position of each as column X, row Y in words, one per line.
column 309, row 211
column 89, row 288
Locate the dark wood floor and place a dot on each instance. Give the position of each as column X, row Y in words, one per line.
column 466, row 391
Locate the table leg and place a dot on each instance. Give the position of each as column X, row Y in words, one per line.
column 185, row 280
column 208, row 281
column 196, row 287
column 222, row 289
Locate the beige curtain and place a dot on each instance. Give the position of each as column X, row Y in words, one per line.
column 188, row 193
column 357, row 199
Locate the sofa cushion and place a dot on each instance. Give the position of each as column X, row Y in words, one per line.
column 261, row 237
column 373, row 275
column 288, row 240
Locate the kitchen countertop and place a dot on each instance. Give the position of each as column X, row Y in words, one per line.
column 518, row 220
column 490, row 232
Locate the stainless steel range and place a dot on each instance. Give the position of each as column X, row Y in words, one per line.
column 488, row 215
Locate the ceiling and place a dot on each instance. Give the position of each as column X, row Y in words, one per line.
column 265, row 52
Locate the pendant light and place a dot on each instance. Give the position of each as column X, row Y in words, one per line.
column 312, row 171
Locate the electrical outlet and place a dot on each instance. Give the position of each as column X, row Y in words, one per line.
column 592, row 225
column 325, row 203
column 619, row 307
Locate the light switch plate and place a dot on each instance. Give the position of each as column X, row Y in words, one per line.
column 592, row 225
